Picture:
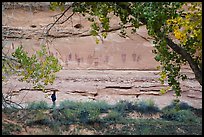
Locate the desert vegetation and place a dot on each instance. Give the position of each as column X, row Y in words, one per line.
column 100, row 118
column 99, row 50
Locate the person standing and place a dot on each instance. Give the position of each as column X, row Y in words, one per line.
column 53, row 96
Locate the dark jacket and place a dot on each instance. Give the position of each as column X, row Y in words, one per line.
column 53, row 96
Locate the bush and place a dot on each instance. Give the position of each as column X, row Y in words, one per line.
column 70, row 114
column 38, row 117
column 38, row 105
column 85, row 112
column 93, row 115
column 147, row 106
column 184, row 106
column 180, row 106
column 101, row 106
column 181, row 115
column 67, row 104
column 123, row 106
column 9, row 128
column 113, row 116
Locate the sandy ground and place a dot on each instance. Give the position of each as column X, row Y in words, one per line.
column 106, row 85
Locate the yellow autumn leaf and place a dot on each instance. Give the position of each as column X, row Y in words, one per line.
column 97, row 41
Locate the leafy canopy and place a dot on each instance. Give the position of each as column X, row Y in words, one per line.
column 163, row 20
column 39, row 69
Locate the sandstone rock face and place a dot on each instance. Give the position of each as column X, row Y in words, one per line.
column 74, row 51
column 110, row 86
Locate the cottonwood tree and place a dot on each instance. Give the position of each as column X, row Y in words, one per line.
column 175, row 26
column 38, row 69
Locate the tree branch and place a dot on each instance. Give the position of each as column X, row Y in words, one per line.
column 59, row 19
column 67, row 18
column 6, row 102
column 194, row 66
column 187, row 56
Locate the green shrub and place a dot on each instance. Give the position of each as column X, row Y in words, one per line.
column 93, row 115
column 90, row 111
column 113, row 116
column 83, row 116
column 67, row 104
column 38, row 117
column 38, row 105
column 184, row 106
column 9, row 128
column 84, row 112
column 70, row 114
column 147, row 106
column 180, row 106
column 197, row 112
column 101, row 106
column 123, row 106
column 181, row 115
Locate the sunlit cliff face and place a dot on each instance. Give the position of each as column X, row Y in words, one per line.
column 75, row 52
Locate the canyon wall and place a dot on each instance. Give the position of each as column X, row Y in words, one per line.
column 26, row 26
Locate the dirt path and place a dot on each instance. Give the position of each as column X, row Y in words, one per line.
column 107, row 85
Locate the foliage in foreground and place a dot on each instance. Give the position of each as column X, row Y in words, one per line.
column 38, row 69
column 38, row 105
column 103, row 118
column 9, row 128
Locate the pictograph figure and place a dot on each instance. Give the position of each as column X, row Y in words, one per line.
column 134, row 57
column 106, row 59
column 78, row 61
column 69, row 56
column 123, row 58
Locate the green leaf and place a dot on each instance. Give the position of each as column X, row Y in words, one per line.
column 162, row 91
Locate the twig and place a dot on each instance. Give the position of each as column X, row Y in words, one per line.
column 67, row 18
column 23, row 97
column 58, row 19
column 4, row 56
column 6, row 102
column 56, row 15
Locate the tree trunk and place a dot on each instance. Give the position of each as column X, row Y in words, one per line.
column 194, row 66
